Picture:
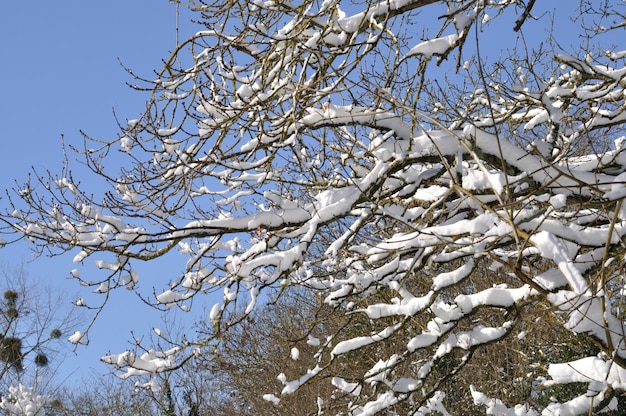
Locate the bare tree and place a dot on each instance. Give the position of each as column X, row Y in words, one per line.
column 101, row 395
column 34, row 322
column 189, row 391
column 378, row 154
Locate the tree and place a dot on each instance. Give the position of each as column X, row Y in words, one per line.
column 272, row 344
column 185, row 392
column 33, row 320
column 279, row 339
column 376, row 153
column 102, row 395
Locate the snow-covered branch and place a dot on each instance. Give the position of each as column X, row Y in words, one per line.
column 312, row 147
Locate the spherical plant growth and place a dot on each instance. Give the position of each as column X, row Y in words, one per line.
column 11, row 352
column 41, row 360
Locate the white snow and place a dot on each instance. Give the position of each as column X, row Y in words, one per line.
column 312, row 341
column 292, row 386
column 437, row 46
column 449, row 278
column 126, row 144
column 23, row 401
column 150, row 362
column 271, row 398
column 359, row 342
column 552, row 248
column 78, row 338
column 345, row 386
column 497, row 407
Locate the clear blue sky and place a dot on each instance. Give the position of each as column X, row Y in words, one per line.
column 60, row 73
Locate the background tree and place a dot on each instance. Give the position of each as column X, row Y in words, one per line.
column 189, row 391
column 102, row 395
column 281, row 338
column 315, row 145
column 34, row 322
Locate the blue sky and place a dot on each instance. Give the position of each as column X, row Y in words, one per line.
column 60, row 73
